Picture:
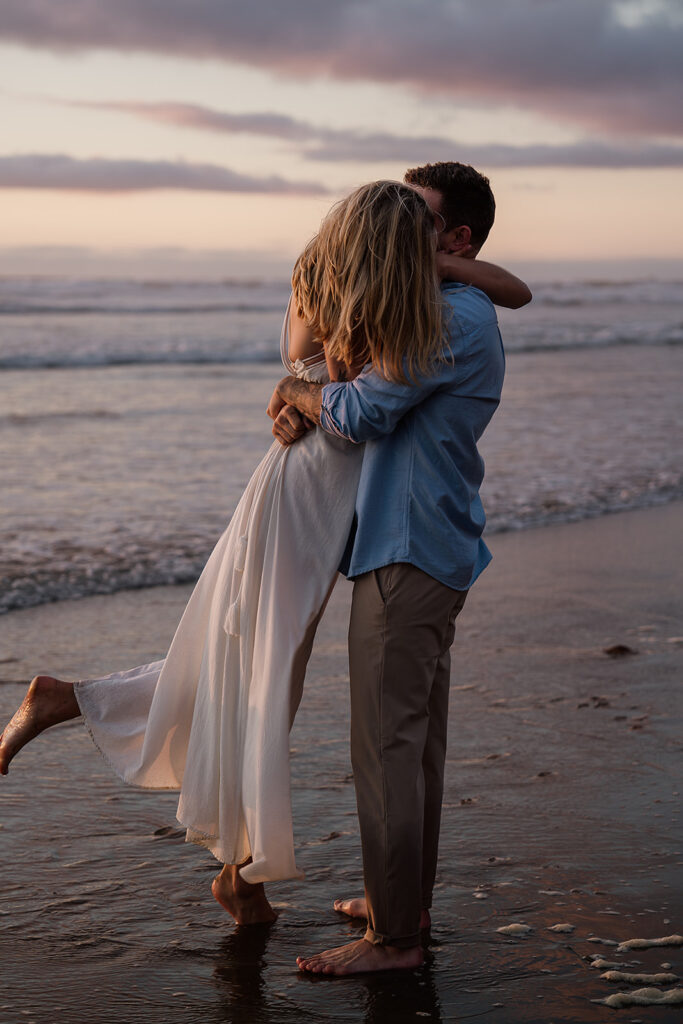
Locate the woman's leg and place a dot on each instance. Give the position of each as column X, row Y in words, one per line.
column 48, row 701
column 245, row 902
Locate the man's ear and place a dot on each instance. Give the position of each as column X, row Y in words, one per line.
column 457, row 239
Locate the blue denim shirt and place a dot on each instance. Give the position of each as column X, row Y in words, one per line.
column 418, row 498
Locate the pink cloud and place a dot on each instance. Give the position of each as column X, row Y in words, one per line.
column 338, row 146
column 57, row 171
column 582, row 60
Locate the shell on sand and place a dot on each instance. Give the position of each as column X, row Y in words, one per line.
column 640, row 979
column 668, row 940
column 644, row 997
column 517, row 928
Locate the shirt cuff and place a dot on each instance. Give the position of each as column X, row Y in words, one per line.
column 327, row 419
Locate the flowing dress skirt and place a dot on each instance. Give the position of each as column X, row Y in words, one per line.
column 212, row 719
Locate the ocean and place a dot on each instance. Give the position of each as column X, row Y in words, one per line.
column 132, row 413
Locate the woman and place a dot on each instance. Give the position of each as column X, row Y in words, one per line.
column 212, row 719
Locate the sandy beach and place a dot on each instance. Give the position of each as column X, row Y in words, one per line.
column 562, row 808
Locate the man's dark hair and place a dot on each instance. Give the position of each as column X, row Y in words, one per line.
column 467, row 196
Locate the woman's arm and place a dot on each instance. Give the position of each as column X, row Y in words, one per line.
column 500, row 285
column 303, row 344
column 302, row 341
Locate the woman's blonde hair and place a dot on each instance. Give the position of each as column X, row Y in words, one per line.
column 367, row 283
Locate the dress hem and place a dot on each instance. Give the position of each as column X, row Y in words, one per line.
column 105, row 757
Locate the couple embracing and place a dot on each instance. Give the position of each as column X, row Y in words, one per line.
column 395, row 367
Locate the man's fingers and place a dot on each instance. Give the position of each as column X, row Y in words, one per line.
column 284, row 435
column 289, row 425
column 292, row 418
column 276, row 403
column 281, row 437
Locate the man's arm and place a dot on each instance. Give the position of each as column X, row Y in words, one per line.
column 370, row 406
column 359, row 410
column 296, row 404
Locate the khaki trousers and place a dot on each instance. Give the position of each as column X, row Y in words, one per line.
column 402, row 626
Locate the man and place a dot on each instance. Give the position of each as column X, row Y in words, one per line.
column 415, row 551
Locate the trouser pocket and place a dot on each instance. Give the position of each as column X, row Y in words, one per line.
column 383, row 578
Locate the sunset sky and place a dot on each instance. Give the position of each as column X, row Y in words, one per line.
column 218, row 126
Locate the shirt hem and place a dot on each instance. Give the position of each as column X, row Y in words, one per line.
column 448, row 581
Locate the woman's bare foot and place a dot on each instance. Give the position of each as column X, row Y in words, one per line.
column 358, row 907
column 245, row 902
column 360, row 957
column 48, row 701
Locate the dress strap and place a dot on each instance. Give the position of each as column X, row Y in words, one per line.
column 284, row 341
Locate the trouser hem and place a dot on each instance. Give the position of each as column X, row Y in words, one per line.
column 402, row 942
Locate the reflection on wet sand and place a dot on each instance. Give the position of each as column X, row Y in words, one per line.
column 399, row 997
column 239, row 965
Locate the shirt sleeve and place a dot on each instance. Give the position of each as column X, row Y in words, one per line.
column 370, row 406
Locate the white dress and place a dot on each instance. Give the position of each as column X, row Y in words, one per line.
column 213, row 718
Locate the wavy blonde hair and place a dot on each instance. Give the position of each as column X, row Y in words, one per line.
column 367, row 284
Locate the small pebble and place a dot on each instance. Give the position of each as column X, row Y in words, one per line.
column 517, row 928
column 619, row 650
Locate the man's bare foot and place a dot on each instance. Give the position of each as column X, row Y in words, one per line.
column 360, row 957
column 246, row 903
column 48, row 701
column 358, row 907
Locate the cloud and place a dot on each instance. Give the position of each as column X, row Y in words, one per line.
column 56, row 171
column 193, row 115
column 430, row 149
column 612, row 64
column 205, row 118
column 339, row 146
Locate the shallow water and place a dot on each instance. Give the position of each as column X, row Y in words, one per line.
column 119, row 477
column 132, row 415
column 71, row 322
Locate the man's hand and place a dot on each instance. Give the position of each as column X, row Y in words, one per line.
column 289, row 425
column 302, row 394
column 276, row 404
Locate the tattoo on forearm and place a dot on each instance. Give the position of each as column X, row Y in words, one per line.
column 304, row 395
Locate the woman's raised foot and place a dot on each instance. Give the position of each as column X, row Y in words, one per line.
column 48, row 701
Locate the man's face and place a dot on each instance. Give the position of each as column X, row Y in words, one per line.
column 434, row 201
column 457, row 240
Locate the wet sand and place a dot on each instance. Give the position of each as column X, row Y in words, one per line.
column 561, row 808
